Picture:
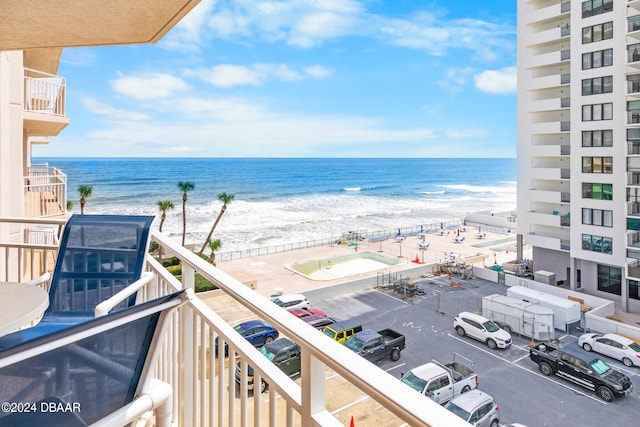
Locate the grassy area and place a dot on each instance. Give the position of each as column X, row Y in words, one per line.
column 173, row 266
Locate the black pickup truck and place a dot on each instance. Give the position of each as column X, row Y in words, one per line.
column 375, row 346
column 581, row 368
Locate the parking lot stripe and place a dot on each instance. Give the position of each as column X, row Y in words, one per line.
column 395, row 367
column 355, row 402
column 479, row 348
column 392, row 297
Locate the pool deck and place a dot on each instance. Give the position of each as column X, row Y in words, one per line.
column 268, row 272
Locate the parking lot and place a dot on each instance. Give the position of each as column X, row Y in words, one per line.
column 523, row 394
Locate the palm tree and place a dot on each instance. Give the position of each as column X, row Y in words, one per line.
column 85, row 192
column 214, row 245
column 164, row 206
column 225, row 199
column 69, row 205
column 185, row 187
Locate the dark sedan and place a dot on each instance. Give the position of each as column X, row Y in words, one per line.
column 256, row 332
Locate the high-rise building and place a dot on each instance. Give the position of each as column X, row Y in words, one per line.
column 579, row 143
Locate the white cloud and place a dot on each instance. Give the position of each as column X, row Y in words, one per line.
column 229, row 75
column 318, row 72
column 464, row 133
column 102, row 109
column 502, row 81
column 148, row 85
column 455, row 79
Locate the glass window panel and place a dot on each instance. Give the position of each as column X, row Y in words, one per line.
column 586, row 216
column 597, row 33
column 596, row 86
column 586, row 113
column 586, row 87
column 607, row 248
column 607, row 191
column 607, row 84
column 607, row 218
column 607, row 165
column 597, row 165
column 597, row 60
column 586, row 61
column 597, row 217
column 586, row 9
column 597, row 139
column 586, row 165
column 596, row 7
column 587, row 191
column 607, row 57
column 596, row 112
column 607, row 138
column 586, row 242
column 608, row 30
column 607, row 111
column 586, row 138
column 586, row 35
column 597, row 191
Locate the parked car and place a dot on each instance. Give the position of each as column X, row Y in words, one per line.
column 442, row 382
column 341, row 331
column 375, row 346
column 283, row 352
column 319, row 322
column 482, row 329
column 305, row 312
column 582, row 368
column 256, row 332
column 290, row 301
column 612, row 345
column 477, row 408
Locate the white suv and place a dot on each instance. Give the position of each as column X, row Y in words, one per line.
column 475, row 407
column 291, row 301
column 482, row 329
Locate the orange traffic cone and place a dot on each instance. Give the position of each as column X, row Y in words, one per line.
column 352, row 424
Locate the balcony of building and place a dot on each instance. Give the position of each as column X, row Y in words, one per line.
column 541, row 128
column 550, row 218
column 633, row 7
column 633, row 27
column 551, row 242
column 550, row 104
column 549, row 13
column 550, row 81
column 550, row 35
column 554, row 173
column 205, row 392
column 45, row 104
column 549, row 58
column 633, row 178
column 556, row 150
column 45, row 192
column 633, row 238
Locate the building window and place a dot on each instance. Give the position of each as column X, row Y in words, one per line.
column 597, row 59
column 599, row 217
column 596, row 7
column 609, row 279
column 596, row 112
column 597, row 191
column 597, row 165
column 597, row 85
column 597, row 138
column 597, row 244
column 597, row 33
column 634, row 289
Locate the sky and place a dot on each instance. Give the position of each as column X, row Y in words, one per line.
column 301, row 78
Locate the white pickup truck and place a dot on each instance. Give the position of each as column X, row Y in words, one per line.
column 442, row 382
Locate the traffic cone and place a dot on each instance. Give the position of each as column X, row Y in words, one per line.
column 352, row 424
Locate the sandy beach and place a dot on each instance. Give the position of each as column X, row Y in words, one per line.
column 267, row 273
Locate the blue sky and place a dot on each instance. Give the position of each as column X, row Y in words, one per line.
column 302, row 78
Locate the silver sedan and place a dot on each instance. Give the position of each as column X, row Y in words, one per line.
column 612, row 345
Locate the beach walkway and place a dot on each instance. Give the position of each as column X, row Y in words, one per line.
column 267, row 273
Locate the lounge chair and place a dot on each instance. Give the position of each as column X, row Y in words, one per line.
column 99, row 256
column 99, row 371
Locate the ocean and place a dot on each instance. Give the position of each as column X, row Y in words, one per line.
column 287, row 200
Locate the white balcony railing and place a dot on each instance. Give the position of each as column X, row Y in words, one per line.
column 205, row 392
column 44, row 93
column 45, row 191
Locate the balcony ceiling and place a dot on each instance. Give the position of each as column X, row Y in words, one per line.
column 30, row 24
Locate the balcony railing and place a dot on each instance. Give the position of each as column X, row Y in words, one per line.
column 45, row 191
column 44, row 93
column 205, row 391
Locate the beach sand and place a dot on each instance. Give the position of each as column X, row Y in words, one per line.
column 267, row 273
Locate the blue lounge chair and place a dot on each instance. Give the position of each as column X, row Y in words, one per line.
column 98, row 371
column 99, row 256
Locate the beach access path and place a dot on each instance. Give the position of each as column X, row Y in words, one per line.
column 267, row 273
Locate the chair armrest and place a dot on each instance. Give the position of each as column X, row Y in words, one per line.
column 107, row 305
column 39, row 280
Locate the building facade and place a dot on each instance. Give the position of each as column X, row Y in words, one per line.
column 579, row 143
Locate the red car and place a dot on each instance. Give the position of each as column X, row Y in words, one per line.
column 304, row 312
